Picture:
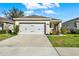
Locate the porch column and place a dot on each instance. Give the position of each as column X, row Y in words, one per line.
column 59, row 27
column 16, row 23
column 4, row 26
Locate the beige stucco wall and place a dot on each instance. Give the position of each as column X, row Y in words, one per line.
column 4, row 26
column 11, row 27
column 60, row 26
column 8, row 26
column 47, row 24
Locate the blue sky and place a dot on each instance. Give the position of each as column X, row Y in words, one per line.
column 63, row 11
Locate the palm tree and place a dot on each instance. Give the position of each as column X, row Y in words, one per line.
column 13, row 13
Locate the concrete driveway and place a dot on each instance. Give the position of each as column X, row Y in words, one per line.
column 29, row 45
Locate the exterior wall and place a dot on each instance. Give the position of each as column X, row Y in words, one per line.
column 69, row 25
column 0, row 26
column 4, row 26
column 47, row 24
column 52, row 26
column 59, row 26
column 77, row 25
column 8, row 26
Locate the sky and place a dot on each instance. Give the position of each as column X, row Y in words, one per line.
column 62, row 11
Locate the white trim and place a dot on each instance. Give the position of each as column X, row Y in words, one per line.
column 36, row 19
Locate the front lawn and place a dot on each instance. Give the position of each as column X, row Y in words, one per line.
column 69, row 40
column 5, row 36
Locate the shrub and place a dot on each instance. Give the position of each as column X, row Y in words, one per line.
column 2, row 31
column 54, row 32
column 72, row 31
column 64, row 30
column 77, row 31
column 16, row 29
column 9, row 31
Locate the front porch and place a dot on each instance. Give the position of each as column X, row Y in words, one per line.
column 55, row 27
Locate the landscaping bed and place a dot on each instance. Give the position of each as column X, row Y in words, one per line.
column 68, row 40
column 5, row 36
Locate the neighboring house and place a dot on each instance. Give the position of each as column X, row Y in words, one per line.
column 37, row 24
column 71, row 24
column 1, row 22
column 6, row 24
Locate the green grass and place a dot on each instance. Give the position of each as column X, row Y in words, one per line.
column 5, row 36
column 69, row 40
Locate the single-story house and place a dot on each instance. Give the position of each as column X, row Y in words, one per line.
column 37, row 24
column 6, row 24
column 71, row 24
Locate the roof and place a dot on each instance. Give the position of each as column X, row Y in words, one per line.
column 75, row 19
column 70, row 23
column 4, row 20
column 35, row 18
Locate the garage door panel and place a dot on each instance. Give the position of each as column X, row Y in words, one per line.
column 31, row 28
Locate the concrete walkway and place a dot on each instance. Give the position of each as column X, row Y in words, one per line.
column 68, row 51
column 29, row 45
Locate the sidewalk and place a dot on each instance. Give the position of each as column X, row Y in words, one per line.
column 68, row 51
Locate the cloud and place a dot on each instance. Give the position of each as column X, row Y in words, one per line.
column 51, row 5
column 50, row 12
column 40, row 6
column 2, row 15
column 31, row 12
column 57, row 5
column 27, row 13
column 31, row 7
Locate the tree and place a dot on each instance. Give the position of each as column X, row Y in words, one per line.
column 13, row 13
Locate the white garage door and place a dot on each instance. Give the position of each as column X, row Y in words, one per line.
column 31, row 29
